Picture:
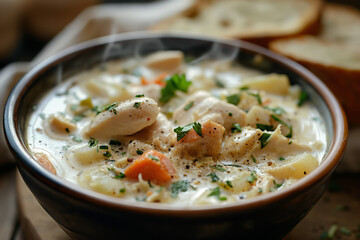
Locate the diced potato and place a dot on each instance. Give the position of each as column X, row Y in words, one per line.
column 164, row 61
column 124, row 119
column 85, row 156
column 297, row 167
column 272, row 83
column 60, row 124
column 100, row 180
column 239, row 181
column 256, row 115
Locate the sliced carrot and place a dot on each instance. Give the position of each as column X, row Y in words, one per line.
column 208, row 129
column 153, row 166
column 160, row 79
column 45, row 162
column 143, row 81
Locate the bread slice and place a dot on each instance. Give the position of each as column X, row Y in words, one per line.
column 334, row 55
column 257, row 21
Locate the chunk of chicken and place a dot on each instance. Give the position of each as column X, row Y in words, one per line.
column 205, row 107
column 160, row 135
column 209, row 144
column 125, row 118
column 164, row 61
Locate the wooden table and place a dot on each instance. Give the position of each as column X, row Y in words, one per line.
column 339, row 208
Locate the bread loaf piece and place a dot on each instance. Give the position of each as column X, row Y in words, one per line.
column 333, row 55
column 257, row 21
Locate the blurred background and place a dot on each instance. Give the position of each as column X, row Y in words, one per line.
column 26, row 26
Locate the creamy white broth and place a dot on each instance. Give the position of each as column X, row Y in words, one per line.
column 217, row 168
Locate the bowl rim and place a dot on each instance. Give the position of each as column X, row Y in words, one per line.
column 25, row 159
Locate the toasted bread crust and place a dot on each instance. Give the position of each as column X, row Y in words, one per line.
column 307, row 20
column 338, row 63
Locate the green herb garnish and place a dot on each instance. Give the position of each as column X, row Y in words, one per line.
column 122, row 190
column 153, row 158
column 103, row 147
column 277, row 185
column 107, row 154
column 253, row 158
column 276, row 110
column 93, row 142
column 257, row 97
column 216, row 192
column 120, row 175
column 110, row 107
column 115, row 142
column 188, row 106
column 218, row 167
column 179, row 186
column 251, row 178
column 302, row 98
column 264, row 139
column 289, row 135
column 182, row 131
column 233, row 99
column 230, row 114
column 235, row 128
column 228, row 183
column 176, row 82
column 264, row 127
column 214, row 177
column 139, row 152
column 137, row 104
column 42, row 116
column 139, row 95
column 219, row 83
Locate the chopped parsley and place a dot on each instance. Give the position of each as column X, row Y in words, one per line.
column 218, row 167
column 120, row 175
column 253, row 158
column 219, row 83
column 230, row 114
column 264, row 127
column 281, row 158
column 176, row 82
column 67, row 130
column 188, row 106
column 228, row 183
column 302, row 98
column 233, row 99
column 107, row 154
column 139, row 95
column 216, row 192
column 122, row 190
column 137, row 104
column 103, row 147
column 277, row 185
column 109, row 107
column 182, row 131
column 179, row 186
column 289, row 135
column 251, row 178
column 214, row 177
column 244, row 88
column 232, row 165
column 153, row 158
column 264, row 139
column 257, row 97
column 235, row 128
column 93, row 142
column 139, row 152
column 115, row 142
column 276, row 110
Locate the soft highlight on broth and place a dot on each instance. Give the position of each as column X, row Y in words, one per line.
column 159, row 129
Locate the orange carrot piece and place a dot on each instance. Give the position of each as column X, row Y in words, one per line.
column 153, row 166
column 160, row 79
column 143, row 81
column 45, row 162
column 207, row 129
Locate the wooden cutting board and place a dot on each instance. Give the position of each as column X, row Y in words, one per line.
column 340, row 208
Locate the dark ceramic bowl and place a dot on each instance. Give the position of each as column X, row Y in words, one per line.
column 85, row 214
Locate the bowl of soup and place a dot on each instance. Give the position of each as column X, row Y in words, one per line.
column 165, row 135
